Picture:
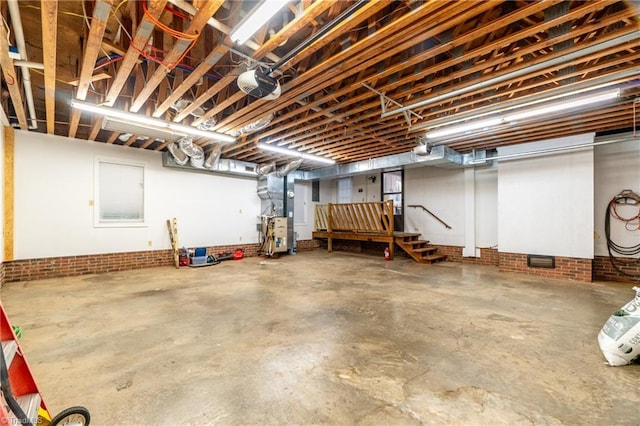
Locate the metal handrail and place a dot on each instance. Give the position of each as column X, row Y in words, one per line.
column 427, row 210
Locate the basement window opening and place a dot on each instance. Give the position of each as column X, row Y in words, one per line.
column 539, row 261
column 119, row 194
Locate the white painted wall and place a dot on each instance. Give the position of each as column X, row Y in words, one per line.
column 486, row 208
column 442, row 192
column 359, row 189
column 328, row 191
column 545, row 204
column 54, row 189
column 617, row 167
column 366, row 188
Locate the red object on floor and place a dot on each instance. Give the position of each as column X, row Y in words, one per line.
column 20, row 377
column 238, row 254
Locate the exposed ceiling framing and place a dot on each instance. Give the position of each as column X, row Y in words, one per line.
column 443, row 59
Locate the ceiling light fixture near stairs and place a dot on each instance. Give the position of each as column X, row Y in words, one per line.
column 575, row 104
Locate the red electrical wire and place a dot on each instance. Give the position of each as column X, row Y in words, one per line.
column 176, row 12
column 192, row 38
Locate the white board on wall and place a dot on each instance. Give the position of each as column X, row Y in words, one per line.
column 545, row 204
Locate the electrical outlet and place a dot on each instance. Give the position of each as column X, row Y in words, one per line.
column 240, row 238
column 149, row 243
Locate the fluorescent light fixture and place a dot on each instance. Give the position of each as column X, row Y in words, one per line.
column 298, row 154
column 523, row 114
column 466, row 127
column 563, row 105
column 154, row 123
column 256, row 19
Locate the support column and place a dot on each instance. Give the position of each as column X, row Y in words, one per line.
column 8, row 192
column 469, row 249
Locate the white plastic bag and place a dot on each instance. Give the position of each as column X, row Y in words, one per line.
column 619, row 338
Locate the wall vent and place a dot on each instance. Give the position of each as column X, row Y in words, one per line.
column 539, row 261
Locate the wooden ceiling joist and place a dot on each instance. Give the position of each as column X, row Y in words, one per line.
column 49, row 42
column 180, row 47
column 101, row 12
column 139, row 43
column 412, row 52
column 310, row 13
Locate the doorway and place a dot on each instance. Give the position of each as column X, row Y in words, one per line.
column 392, row 189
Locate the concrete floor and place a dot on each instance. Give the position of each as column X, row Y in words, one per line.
column 325, row 338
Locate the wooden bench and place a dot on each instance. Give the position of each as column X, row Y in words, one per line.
column 372, row 221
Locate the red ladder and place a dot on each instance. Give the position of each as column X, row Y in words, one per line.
column 23, row 386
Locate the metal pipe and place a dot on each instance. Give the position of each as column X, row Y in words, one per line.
column 518, row 73
column 16, row 21
column 29, row 64
column 324, row 30
column 420, row 206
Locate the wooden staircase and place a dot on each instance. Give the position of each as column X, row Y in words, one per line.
column 418, row 249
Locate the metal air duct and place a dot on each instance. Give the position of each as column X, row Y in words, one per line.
column 180, row 157
column 197, row 159
column 265, row 168
column 214, row 158
column 289, row 167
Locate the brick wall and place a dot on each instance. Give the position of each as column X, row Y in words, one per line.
column 1, row 274
column 566, row 267
column 307, row 245
column 603, row 270
column 488, row 256
column 56, row 267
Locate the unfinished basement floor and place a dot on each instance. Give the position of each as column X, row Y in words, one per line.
column 318, row 338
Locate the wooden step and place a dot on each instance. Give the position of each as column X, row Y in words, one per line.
column 427, row 250
column 416, row 242
column 9, row 348
column 30, row 404
column 406, row 235
column 434, row 258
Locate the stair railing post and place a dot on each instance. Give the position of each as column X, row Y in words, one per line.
column 389, row 213
column 329, row 227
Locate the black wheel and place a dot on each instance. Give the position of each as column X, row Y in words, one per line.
column 72, row 416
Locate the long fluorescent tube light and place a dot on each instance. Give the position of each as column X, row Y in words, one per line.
column 151, row 122
column 256, row 19
column 563, row 105
column 292, row 153
column 523, row 114
column 466, row 127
